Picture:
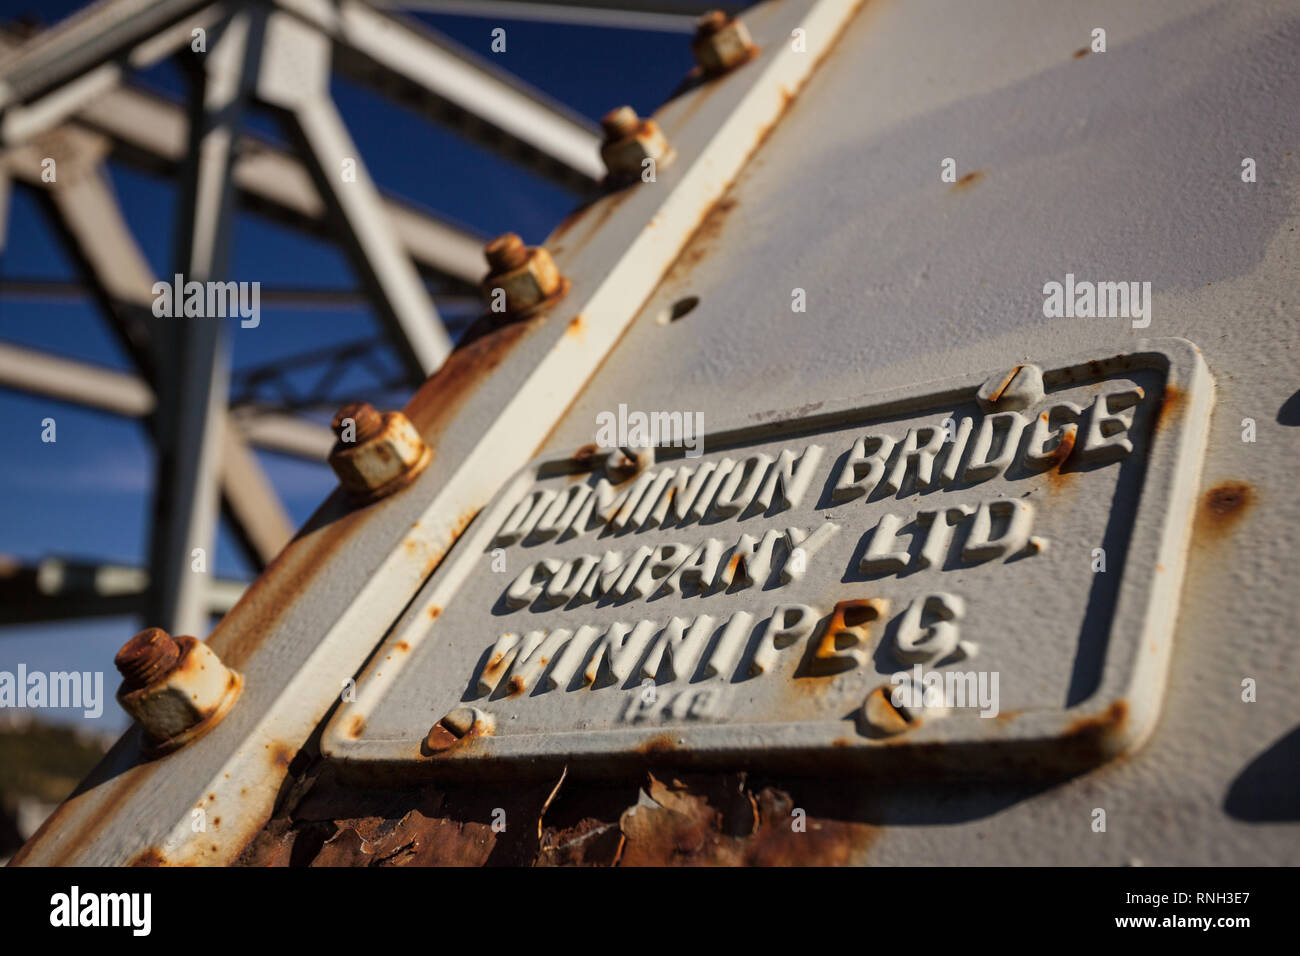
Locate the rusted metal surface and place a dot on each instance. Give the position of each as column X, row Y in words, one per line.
column 655, row 818
column 176, row 689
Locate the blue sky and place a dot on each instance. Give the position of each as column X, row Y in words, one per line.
column 88, row 494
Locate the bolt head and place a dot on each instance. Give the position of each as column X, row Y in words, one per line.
column 185, row 702
column 720, row 44
column 507, row 251
column 366, row 422
column 147, row 657
column 624, row 157
column 528, row 285
column 386, row 461
column 619, row 122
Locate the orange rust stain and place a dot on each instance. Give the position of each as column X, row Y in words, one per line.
column 577, row 327
column 149, row 857
column 658, row 744
column 516, row 685
column 847, row 618
column 1080, row 53
column 967, row 181
column 698, row 247
column 356, row 725
column 996, row 395
column 402, row 646
column 1006, row 716
column 434, row 612
column 1058, row 480
column 1170, row 403
column 281, row 756
column 1223, row 506
column 439, row 400
column 1104, row 723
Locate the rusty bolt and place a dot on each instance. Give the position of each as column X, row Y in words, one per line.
column 624, row 463
column 882, row 717
column 721, row 43
column 366, row 422
column 629, row 142
column 378, row 454
column 457, row 725
column 176, row 689
column 526, row 275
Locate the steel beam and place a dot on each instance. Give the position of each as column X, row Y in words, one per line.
column 89, row 221
column 120, row 393
column 402, row 58
column 54, row 589
column 150, row 131
column 634, row 15
column 295, row 80
column 316, row 617
column 62, row 69
column 38, row 373
column 286, row 434
column 191, row 416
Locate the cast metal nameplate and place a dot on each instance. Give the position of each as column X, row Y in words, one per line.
column 973, row 575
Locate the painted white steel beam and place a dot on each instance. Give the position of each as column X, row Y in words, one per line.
column 313, row 620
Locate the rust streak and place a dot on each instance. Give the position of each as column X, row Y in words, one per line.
column 1171, row 403
column 1103, row 724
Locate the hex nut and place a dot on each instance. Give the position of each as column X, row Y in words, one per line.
column 386, row 452
column 629, row 142
column 176, row 689
column 721, row 43
column 525, row 274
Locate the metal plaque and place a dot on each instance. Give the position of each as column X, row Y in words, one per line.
column 974, row 575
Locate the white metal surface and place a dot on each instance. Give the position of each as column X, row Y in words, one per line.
column 1123, row 165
